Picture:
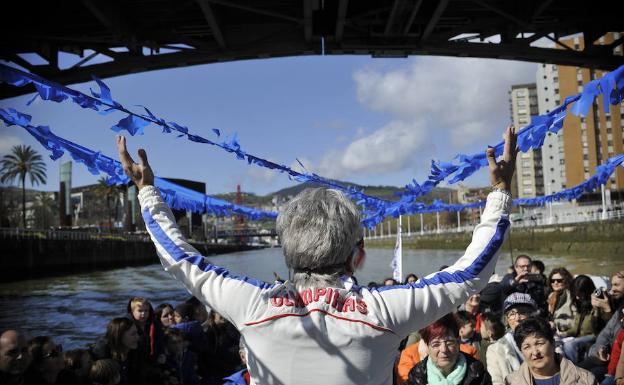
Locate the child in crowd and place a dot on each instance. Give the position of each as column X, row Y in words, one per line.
column 79, row 362
column 105, row 372
column 181, row 362
column 201, row 313
column 492, row 328
column 469, row 339
column 142, row 314
column 184, row 316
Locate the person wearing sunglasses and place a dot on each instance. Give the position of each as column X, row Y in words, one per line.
column 46, row 363
column 503, row 356
column 560, row 299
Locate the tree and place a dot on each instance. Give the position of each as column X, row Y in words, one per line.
column 110, row 193
column 45, row 208
column 22, row 162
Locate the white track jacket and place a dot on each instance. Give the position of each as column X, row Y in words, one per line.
column 327, row 336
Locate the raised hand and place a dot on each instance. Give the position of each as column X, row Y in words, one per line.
column 502, row 171
column 141, row 174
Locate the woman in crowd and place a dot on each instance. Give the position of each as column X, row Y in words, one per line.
column 163, row 315
column 79, row 362
column 582, row 329
column 46, row 365
column 535, row 339
column 121, row 344
column 446, row 364
column 560, row 299
column 411, row 278
column 503, row 356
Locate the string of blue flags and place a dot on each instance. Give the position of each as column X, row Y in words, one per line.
column 611, row 86
column 182, row 198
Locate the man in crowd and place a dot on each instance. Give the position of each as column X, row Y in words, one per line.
column 598, row 356
column 523, row 281
column 535, row 339
column 311, row 330
column 13, row 357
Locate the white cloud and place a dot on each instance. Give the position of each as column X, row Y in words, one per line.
column 262, row 175
column 6, row 144
column 464, row 97
column 387, row 149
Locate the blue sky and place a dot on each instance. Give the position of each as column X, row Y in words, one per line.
column 369, row 121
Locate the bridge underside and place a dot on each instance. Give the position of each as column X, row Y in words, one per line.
column 115, row 37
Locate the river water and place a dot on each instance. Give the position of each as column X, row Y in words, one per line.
column 75, row 309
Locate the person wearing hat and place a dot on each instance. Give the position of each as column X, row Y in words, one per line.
column 503, row 357
column 312, row 330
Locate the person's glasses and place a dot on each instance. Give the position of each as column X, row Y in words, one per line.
column 450, row 343
column 556, row 280
column 55, row 352
column 516, row 314
column 360, row 243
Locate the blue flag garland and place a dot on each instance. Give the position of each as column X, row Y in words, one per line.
column 182, row 198
column 176, row 196
column 375, row 209
column 530, row 137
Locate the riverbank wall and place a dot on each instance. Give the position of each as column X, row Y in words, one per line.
column 600, row 238
column 31, row 257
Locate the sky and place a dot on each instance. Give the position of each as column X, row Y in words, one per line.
column 353, row 118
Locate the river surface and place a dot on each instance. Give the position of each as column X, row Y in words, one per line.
column 75, row 309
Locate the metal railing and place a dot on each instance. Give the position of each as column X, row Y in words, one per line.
column 20, row 233
column 569, row 218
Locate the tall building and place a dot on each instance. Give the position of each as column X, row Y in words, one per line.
column 572, row 156
column 529, row 174
column 547, row 82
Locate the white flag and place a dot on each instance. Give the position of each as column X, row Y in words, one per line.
column 397, row 261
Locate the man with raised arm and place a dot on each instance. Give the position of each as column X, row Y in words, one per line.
column 312, row 330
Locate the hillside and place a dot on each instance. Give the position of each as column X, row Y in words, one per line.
column 383, row 192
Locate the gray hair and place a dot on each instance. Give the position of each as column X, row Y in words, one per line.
column 319, row 229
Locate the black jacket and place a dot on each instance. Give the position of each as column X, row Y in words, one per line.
column 475, row 373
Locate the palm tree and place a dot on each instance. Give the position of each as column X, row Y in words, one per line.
column 23, row 161
column 46, row 204
column 110, row 192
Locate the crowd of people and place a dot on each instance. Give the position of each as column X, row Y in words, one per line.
column 523, row 328
column 181, row 345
